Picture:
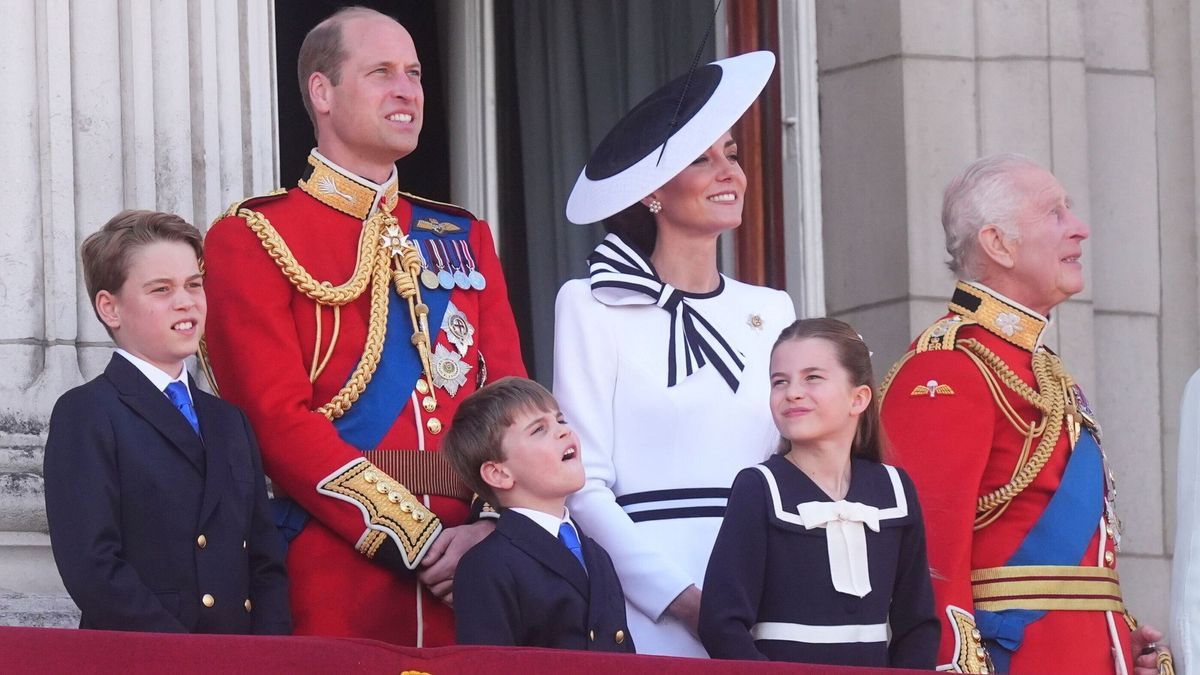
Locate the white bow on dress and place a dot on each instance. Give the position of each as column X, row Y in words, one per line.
column 847, row 540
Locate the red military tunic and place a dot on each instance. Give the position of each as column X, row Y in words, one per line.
column 959, row 425
column 264, row 344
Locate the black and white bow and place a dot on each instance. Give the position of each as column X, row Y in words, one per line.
column 622, row 276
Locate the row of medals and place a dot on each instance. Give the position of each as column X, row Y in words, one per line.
column 448, row 264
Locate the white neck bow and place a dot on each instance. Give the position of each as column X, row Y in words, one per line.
column 847, row 540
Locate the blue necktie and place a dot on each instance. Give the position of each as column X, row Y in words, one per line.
column 566, row 534
column 178, row 393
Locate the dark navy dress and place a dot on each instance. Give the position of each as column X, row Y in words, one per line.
column 769, row 593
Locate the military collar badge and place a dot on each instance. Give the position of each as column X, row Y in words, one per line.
column 340, row 189
column 1007, row 319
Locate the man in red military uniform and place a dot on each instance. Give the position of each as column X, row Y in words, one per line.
column 349, row 320
column 1004, row 449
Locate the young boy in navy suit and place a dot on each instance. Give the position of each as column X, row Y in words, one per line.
column 536, row 581
column 154, row 489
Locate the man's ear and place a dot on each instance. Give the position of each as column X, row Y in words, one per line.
column 496, row 475
column 997, row 246
column 320, row 90
column 106, row 307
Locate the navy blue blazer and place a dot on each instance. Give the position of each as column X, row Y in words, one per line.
column 521, row 586
column 152, row 528
column 770, row 573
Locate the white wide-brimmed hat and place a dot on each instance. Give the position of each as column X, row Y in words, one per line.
column 630, row 162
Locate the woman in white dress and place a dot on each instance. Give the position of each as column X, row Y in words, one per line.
column 659, row 360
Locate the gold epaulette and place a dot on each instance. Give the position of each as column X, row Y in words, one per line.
column 454, row 209
column 941, row 335
column 389, row 509
column 970, row 656
column 250, row 201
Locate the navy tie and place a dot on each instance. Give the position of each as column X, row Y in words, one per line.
column 178, row 393
column 566, row 534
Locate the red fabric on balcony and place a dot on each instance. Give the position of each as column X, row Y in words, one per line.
column 57, row 650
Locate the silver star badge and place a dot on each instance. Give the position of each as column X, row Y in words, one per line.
column 458, row 330
column 449, row 370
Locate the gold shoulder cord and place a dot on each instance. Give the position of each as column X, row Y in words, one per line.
column 1051, row 397
column 380, row 244
column 1053, row 390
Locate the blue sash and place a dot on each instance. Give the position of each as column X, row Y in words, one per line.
column 370, row 418
column 1060, row 537
column 366, row 423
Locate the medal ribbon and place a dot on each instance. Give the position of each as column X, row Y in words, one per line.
column 622, row 276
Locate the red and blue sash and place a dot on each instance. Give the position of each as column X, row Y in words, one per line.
column 375, row 412
column 1060, row 537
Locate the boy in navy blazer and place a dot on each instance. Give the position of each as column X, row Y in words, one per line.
column 536, row 581
column 154, row 489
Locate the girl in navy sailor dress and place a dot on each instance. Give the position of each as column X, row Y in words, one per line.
column 821, row 556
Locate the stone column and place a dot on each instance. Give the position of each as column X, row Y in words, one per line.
column 1100, row 93
column 109, row 104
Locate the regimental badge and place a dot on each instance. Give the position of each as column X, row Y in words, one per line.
column 458, row 330
column 932, row 389
column 326, row 185
column 449, row 370
column 1008, row 323
column 755, row 321
column 437, row 227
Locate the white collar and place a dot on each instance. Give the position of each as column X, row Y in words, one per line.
column 547, row 521
column 159, row 378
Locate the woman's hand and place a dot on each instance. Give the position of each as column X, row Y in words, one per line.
column 686, row 608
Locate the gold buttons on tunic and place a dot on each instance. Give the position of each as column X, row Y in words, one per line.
column 434, row 425
column 1109, row 558
column 202, row 541
column 976, row 634
column 208, row 600
column 422, row 386
column 591, row 636
column 619, row 637
column 247, row 604
column 243, row 544
column 429, row 403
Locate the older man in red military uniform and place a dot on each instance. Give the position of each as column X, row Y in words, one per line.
column 349, row 320
column 1004, row 449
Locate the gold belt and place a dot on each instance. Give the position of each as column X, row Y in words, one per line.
column 1095, row 589
column 422, row 473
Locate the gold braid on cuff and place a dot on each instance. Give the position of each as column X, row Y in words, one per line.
column 389, row 508
column 970, row 656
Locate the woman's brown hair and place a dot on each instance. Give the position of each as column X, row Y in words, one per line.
column 853, row 355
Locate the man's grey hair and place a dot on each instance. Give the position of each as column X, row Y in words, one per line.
column 983, row 193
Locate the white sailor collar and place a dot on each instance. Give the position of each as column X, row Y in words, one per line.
column 844, row 521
